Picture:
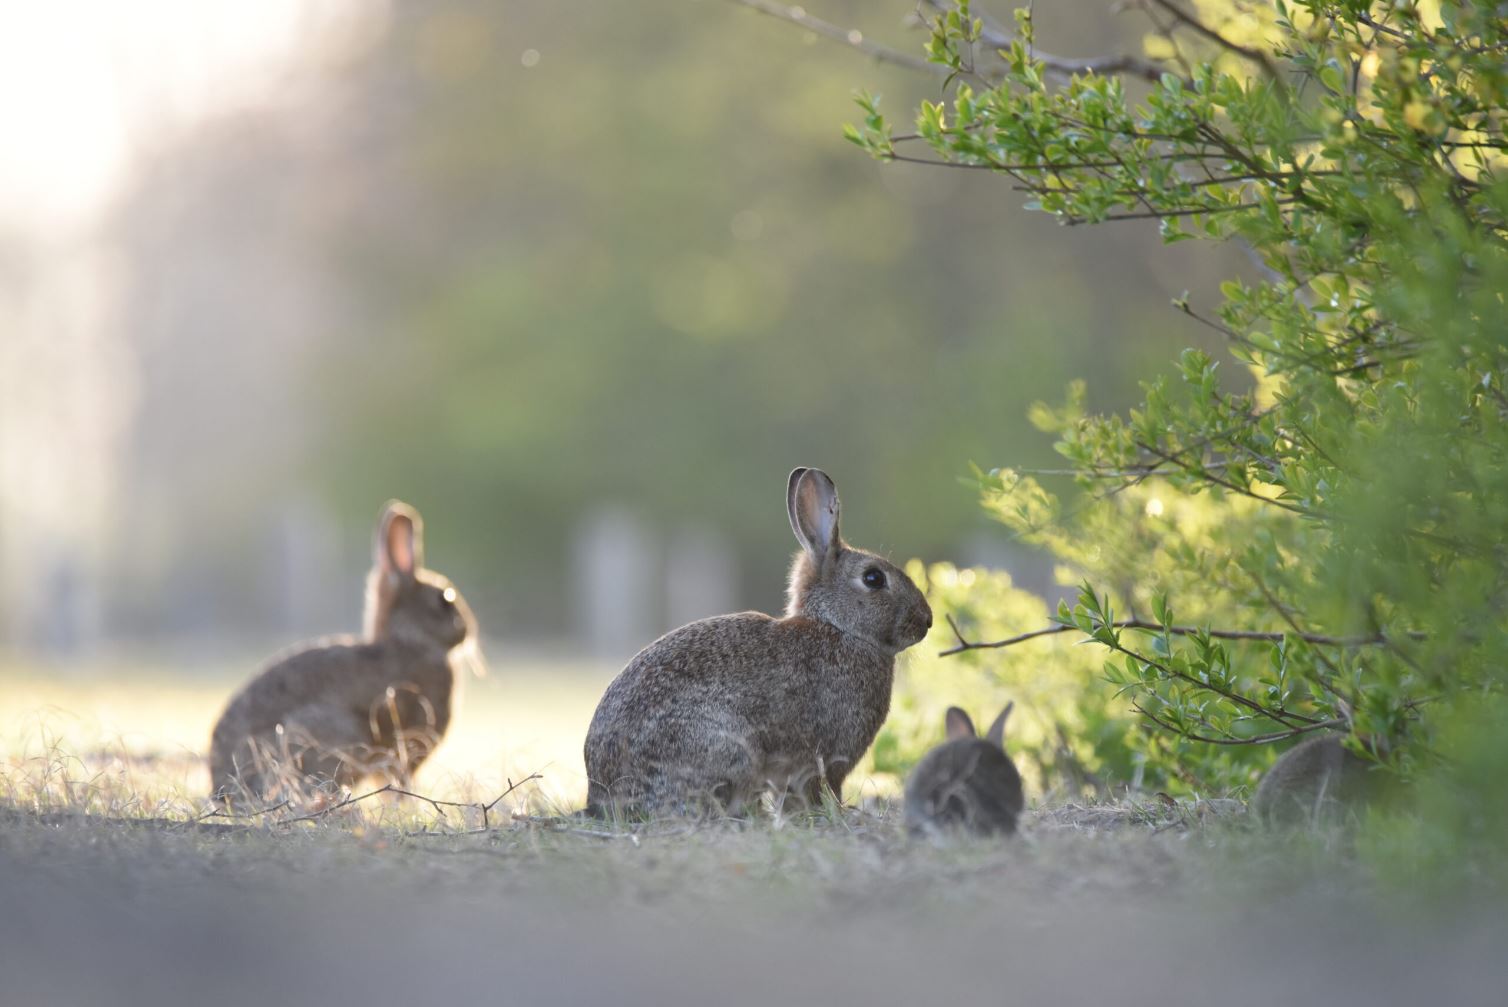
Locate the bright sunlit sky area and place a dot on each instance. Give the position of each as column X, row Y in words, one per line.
column 85, row 85
column 210, row 210
column 90, row 90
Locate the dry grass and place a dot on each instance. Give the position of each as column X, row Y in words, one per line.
column 134, row 732
column 135, row 791
column 122, row 886
column 112, row 755
column 401, row 902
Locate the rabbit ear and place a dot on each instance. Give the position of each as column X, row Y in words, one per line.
column 400, row 540
column 812, row 504
column 790, row 495
column 958, row 723
column 996, row 734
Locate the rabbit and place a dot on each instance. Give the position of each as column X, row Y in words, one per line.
column 711, row 715
column 967, row 782
column 1316, row 778
column 342, row 709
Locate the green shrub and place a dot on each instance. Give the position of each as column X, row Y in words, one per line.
column 1322, row 545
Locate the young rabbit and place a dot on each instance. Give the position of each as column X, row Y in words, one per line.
column 343, row 709
column 716, row 712
column 1314, row 779
column 967, row 782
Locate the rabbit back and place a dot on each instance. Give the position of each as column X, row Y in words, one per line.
column 725, row 707
column 347, row 709
column 1316, row 778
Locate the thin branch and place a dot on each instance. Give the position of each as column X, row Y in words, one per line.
column 1377, row 26
column 965, row 644
column 1319, row 639
column 851, row 37
column 486, row 808
column 1292, row 620
column 1282, row 716
column 934, row 163
column 438, row 805
column 1190, row 211
column 1203, row 472
column 1199, row 27
column 1137, row 472
column 1166, row 32
column 233, row 814
column 997, row 36
column 322, row 812
column 1259, row 739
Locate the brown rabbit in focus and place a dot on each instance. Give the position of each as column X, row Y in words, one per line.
column 342, row 709
column 718, row 711
column 967, row 782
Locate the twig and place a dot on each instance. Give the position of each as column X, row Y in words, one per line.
column 1319, row 639
column 511, row 788
column 322, row 812
column 225, row 813
column 1184, row 211
column 1284, row 717
column 851, row 37
column 1288, row 617
column 1259, row 739
column 438, row 805
column 1199, row 27
column 1368, row 20
column 997, row 36
column 1203, row 472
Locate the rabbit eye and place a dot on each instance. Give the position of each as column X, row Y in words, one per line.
column 873, row 578
column 448, row 597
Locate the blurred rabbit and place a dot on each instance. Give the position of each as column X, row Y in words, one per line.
column 716, row 712
column 343, row 709
column 1317, row 778
column 967, row 782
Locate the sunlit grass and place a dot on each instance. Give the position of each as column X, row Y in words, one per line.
column 115, row 729
column 107, row 761
column 131, row 737
column 125, row 744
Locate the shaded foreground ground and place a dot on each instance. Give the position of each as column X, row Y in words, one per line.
column 1120, row 905
column 111, row 894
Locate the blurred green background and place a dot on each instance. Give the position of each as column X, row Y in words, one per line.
column 582, row 284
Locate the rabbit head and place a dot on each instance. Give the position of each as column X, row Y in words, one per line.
column 851, row 589
column 966, row 782
column 406, row 602
column 959, row 724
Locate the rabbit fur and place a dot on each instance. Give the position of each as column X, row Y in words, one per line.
column 966, row 783
column 338, row 710
column 715, row 713
column 1317, row 778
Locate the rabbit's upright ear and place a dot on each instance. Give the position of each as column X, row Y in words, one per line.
column 400, row 540
column 958, row 724
column 996, row 734
column 812, row 504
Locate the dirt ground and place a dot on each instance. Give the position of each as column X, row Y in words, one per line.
column 116, row 890
column 1087, row 905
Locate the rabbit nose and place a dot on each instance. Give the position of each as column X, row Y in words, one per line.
column 929, row 620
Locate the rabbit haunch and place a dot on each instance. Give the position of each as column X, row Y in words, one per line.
column 1316, row 780
column 339, row 710
column 718, row 711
